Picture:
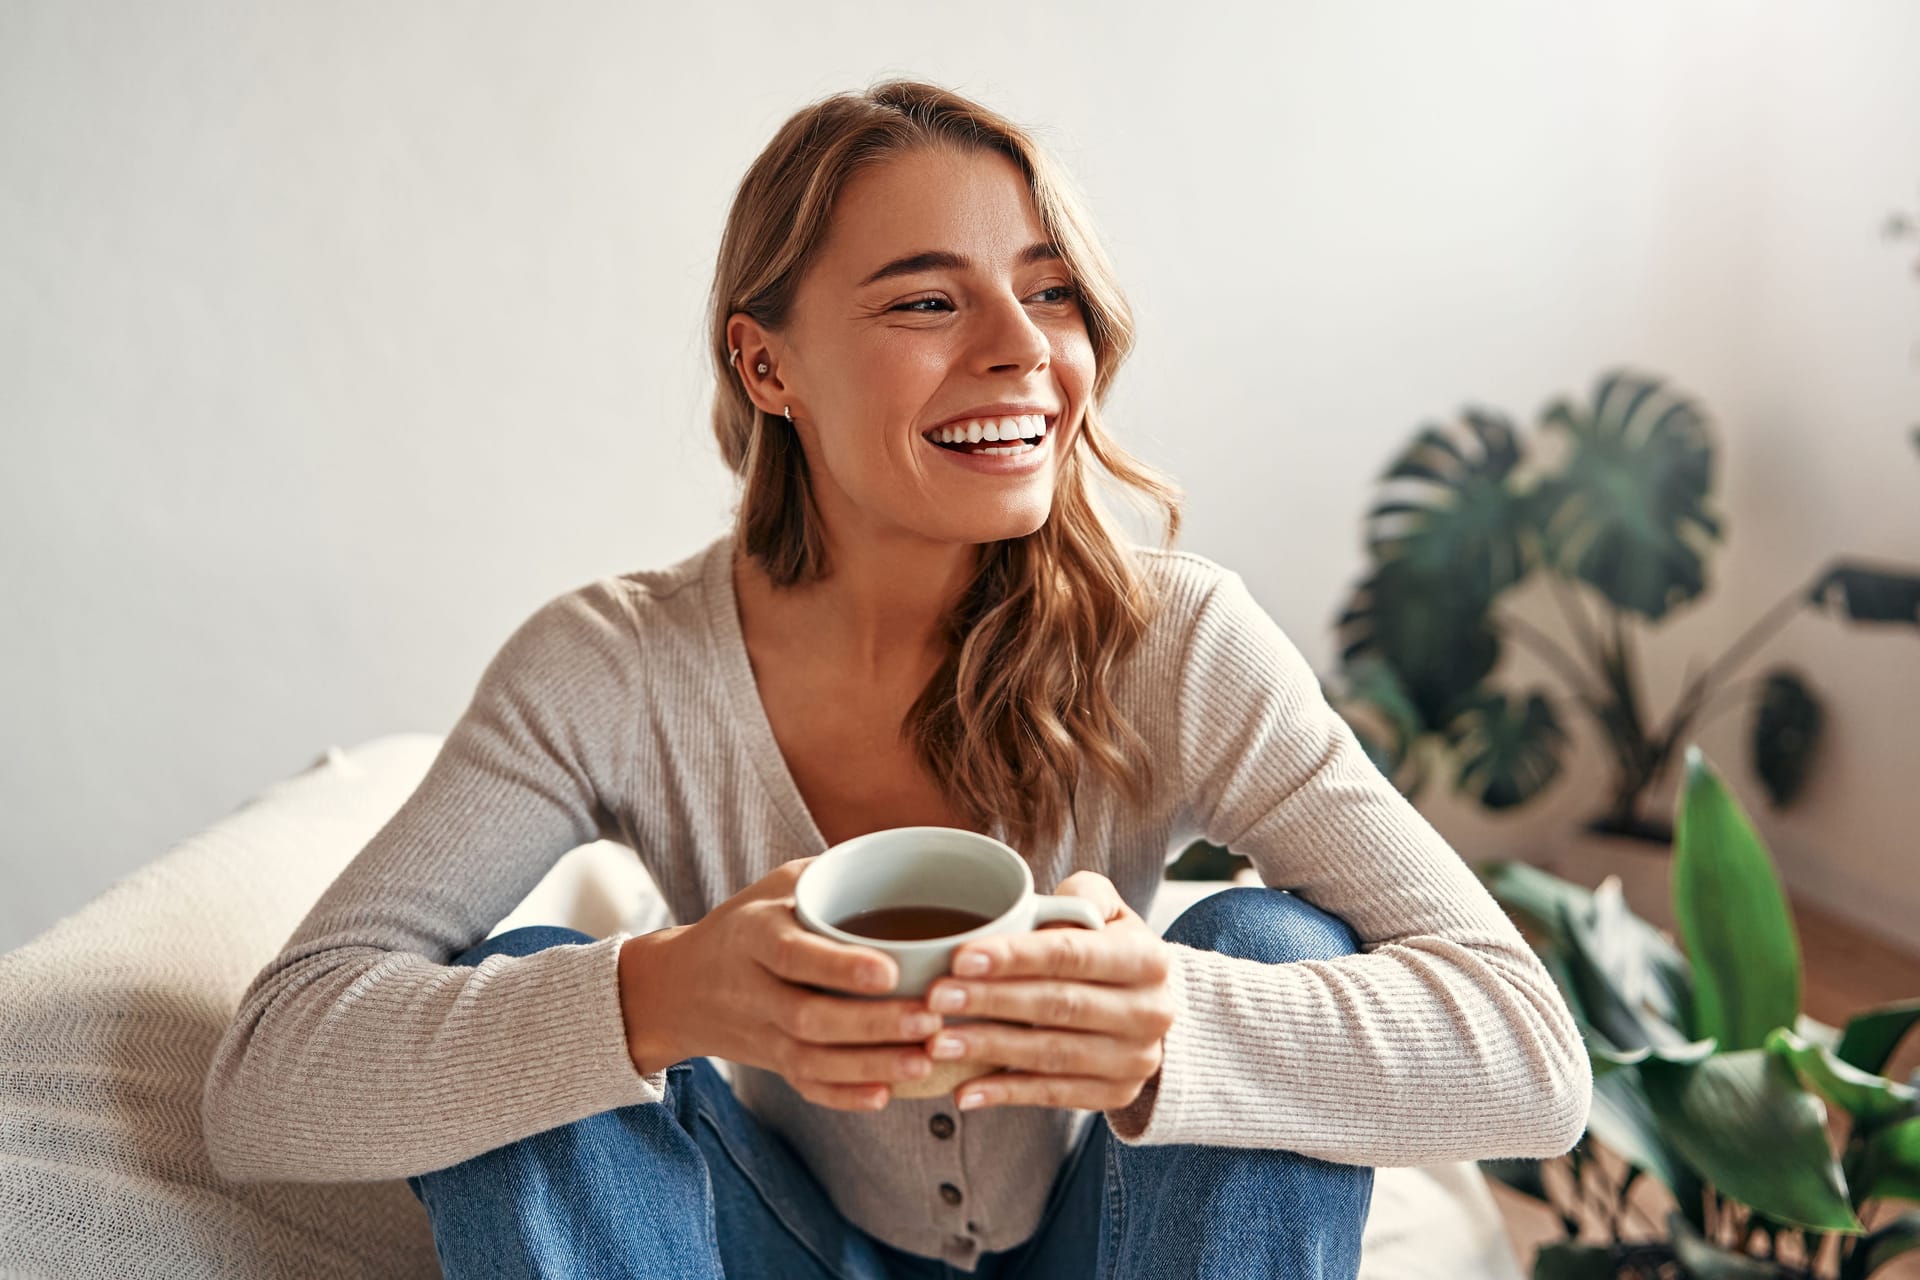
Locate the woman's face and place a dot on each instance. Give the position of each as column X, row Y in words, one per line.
column 935, row 301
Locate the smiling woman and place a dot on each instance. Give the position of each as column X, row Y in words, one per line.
column 926, row 328
column 919, row 618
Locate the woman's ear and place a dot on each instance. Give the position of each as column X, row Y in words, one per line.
column 754, row 356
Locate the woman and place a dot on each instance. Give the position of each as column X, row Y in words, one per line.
column 910, row 622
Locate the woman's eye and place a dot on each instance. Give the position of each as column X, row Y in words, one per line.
column 1066, row 291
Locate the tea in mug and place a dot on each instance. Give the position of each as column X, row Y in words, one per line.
column 908, row 924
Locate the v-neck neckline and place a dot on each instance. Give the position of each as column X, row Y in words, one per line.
column 750, row 710
column 730, row 646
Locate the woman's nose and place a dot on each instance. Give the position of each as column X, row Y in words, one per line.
column 1012, row 341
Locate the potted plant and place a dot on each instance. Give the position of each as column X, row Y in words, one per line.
column 1614, row 516
column 1709, row 1079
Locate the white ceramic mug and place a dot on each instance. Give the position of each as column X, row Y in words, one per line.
column 929, row 867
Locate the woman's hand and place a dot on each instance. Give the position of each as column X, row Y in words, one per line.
column 1097, row 1002
column 740, row 984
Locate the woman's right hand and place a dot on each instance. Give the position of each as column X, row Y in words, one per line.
column 749, row 983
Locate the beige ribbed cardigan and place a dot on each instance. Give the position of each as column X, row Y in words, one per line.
column 627, row 709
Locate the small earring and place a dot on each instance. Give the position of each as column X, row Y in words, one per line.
column 733, row 355
column 763, row 366
column 788, row 410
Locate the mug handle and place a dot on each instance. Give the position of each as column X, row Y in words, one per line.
column 1050, row 908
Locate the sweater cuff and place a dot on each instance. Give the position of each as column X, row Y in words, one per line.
column 1153, row 1117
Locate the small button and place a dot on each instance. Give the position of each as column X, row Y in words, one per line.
column 950, row 1193
column 942, row 1125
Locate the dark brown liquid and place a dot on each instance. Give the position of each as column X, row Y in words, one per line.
column 905, row 924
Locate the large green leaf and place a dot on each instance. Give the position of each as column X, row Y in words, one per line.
column 1881, row 1246
column 1868, row 593
column 1705, row 1260
column 1733, row 917
column 1453, row 516
column 1624, row 959
column 1622, row 1120
column 1873, row 1034
column 1508, row 752
column 1641, row 972
column 1872, row 1100
column 1436, row 638
column 1745, row 1124
column 1597, row 1044
column 1614, row 1022
column 1786, row 732
column 1889, row 1165
column 1450, row 535
column 1628, row 511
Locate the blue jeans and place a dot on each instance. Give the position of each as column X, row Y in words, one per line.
column 694, row 1187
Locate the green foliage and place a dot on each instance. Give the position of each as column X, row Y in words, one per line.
column 1620, row 525
column 1786, row 725
column 1628, row 512
column 1708, row 1077
column 1729, row 906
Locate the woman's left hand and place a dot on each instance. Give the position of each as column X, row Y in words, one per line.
column 1097, row 1001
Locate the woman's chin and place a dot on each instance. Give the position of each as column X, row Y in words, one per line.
column 1013, row 520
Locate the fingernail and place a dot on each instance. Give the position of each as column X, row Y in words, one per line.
column 948, row 999
column 972, row 964
column 971, row 1099
column 922, row 1025
column 948, row 1047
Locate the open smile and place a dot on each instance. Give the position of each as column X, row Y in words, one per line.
column 1004, row 446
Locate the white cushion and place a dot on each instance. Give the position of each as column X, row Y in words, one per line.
column 109, row 1018
column 108, row 1021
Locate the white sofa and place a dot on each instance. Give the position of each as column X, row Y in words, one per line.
column 108, row 1019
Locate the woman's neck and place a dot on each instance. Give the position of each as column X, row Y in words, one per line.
column 879, row 617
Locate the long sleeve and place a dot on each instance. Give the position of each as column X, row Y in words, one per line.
column 359, row 1053
column 1443, row 1039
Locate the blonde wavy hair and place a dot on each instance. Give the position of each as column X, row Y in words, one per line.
column 1022, row 700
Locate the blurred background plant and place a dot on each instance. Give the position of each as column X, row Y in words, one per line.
column 1614, row 511
column 1708, row 1077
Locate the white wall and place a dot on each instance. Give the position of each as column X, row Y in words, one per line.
column 335, row 337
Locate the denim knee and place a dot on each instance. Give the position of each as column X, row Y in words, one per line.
column 522, row 941
column 1254, row 922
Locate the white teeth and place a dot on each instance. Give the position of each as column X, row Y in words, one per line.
column 1026, row 427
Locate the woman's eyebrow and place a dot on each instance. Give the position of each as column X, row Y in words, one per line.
column 935, row 259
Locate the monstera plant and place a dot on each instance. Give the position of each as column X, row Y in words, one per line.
column 1615, row 514
column 1709, row 1079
